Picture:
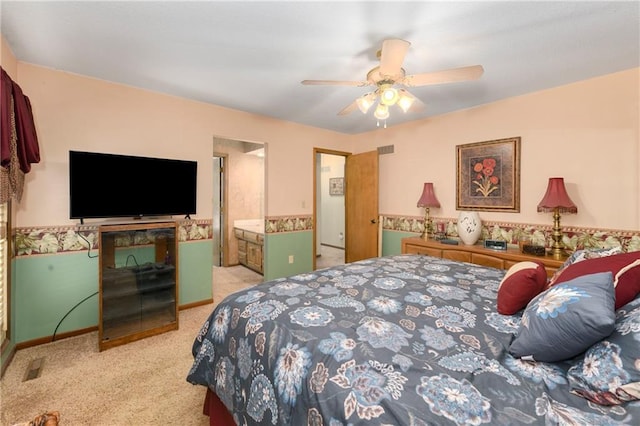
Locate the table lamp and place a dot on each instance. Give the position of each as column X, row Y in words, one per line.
column 427, row 199
column 557, row 200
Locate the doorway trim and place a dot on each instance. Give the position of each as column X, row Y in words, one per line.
column 223, row 244
column 317, row 151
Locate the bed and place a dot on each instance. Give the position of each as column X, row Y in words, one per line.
column 411, row 340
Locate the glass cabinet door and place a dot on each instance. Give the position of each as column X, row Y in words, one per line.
column 138, row 282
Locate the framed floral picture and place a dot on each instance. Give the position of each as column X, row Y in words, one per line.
column 489, row 176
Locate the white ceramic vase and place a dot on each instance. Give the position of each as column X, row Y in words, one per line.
column 469, row 227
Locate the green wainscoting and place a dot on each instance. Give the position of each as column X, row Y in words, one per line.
column 392, row 241
column 196, row 271
column 278, row 248
column 45, row 288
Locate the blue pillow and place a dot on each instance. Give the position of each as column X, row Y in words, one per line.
column 566, row 319
column 609, row 373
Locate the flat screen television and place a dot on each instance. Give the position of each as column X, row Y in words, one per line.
column 110, row 185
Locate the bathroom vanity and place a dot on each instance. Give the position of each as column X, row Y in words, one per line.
column 250, row 235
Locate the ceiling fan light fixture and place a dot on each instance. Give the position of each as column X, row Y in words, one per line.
column 365, row 102
column 405, row 101
column 389, row 96
column 390, row 73
column 382, row 112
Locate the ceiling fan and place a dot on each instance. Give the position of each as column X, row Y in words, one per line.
column 389, row 74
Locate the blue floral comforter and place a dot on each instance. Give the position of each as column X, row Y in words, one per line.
column 397, row 340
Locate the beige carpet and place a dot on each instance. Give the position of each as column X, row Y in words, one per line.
column 143, row 382
column 329, row 256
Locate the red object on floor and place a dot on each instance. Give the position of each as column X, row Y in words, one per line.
column 217, row 412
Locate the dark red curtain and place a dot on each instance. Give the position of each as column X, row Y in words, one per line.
column 5, row 117
column 19, row 141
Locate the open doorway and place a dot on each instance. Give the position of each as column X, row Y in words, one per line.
column 359, row 212
column 238, row 207
column 329, row 207
column 238, row 194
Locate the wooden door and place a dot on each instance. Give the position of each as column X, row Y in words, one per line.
column 361, row 206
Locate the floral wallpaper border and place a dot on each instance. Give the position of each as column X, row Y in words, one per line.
column 74, row 238
column 277, row 224
column 574, row 238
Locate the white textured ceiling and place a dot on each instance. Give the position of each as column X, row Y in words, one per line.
column 252, row 56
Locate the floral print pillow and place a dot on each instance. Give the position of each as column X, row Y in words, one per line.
column 565, row 320
column 609, row 373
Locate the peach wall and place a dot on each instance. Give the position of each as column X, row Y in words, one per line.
column 7, row 59
column 586, row 132
column 80, row 113
column 246, row 183
column 10, row 65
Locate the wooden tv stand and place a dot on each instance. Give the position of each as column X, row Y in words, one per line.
column 501, row 259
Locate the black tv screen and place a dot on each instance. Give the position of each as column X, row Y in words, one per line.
column 110, row 185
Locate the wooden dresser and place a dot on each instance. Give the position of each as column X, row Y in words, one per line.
column 502, row 259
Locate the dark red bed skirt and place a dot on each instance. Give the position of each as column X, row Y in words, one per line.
column 217, row 412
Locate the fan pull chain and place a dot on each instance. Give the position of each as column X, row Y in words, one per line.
column 384, row 126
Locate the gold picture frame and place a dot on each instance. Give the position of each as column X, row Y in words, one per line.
column 488, row 176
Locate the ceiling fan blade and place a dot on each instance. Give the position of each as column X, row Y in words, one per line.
column 392, row 56
column 447, row 76
column 415, row 104
column 349, row 108
column 335, row 83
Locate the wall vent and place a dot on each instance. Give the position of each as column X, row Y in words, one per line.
column 388, row 149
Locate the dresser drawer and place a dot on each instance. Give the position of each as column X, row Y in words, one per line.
column 411, row 249
column 461, row 256
column 485, row 260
